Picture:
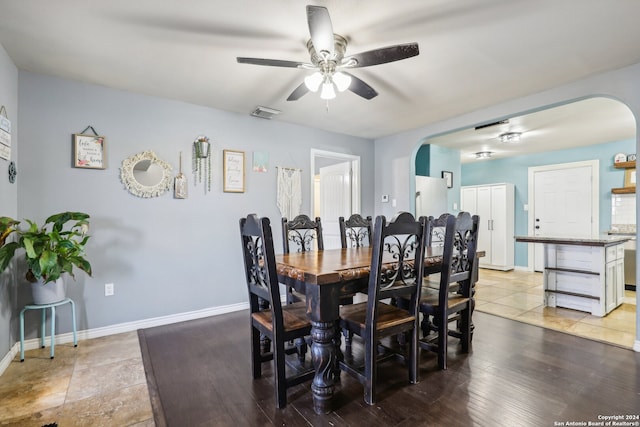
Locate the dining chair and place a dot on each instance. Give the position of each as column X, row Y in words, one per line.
column 435, row 238
column 281, row 324
column 355, row 231
column 302, row 234
column 396, row 271
column 452, row 301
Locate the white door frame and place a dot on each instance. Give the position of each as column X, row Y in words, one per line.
column 595, row 198
column 355, row 167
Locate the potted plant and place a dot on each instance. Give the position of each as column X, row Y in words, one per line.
column 50, row 251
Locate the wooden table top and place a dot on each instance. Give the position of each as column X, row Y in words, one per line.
column 335, row 265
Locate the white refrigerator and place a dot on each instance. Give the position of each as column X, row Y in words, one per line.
column 431, row 196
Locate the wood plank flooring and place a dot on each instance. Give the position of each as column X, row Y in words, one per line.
column 516, row 375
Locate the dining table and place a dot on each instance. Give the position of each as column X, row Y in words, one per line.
column 324, row 277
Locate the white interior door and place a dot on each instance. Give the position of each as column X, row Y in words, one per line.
column 335, row 200
column 563, row 204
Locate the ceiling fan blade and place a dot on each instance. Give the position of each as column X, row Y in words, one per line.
column 360, row 88
column 298, row 93
column 383, row 55
column 271, row 62
column 320, row 29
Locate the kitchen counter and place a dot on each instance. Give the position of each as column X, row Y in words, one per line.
column 600, row 240
column 583, row 273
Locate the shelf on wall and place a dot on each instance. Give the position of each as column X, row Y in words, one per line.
column 625, row 165
column 624, row 190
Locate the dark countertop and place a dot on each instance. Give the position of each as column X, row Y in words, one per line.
column 600, row 240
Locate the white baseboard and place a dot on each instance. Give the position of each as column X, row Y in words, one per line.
column 121, row 328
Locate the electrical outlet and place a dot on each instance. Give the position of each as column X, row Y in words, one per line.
column 108, row 289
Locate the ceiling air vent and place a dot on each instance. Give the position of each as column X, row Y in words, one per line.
column 486, row 125
column 264, row 112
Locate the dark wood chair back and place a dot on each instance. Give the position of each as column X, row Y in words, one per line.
column 271, row 323
column 453, row 300
column 436, row 229
column 301, row 233
column 260, row 267
column 459, row 256
column 355, row 231
column 397, row 263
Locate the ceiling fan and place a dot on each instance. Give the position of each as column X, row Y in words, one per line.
column 327, row 58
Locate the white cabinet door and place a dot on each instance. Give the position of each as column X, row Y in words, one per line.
column 610, row 287
column 619, row 281
column 498, row 225
column 494, row 204
column 485, row 238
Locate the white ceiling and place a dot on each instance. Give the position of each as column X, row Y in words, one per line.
column 473, row 54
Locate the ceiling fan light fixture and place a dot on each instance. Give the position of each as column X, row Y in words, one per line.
column 509, row 137
column 313, row 81
column 328, row 92
column 484, row 154
column 342, row 81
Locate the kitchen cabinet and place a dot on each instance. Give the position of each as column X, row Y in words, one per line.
column 494, row 204
column 585, row 274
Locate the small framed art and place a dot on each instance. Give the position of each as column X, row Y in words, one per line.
column 448, row 177
column 233, row 170
column 89, row 151
column 630, row 178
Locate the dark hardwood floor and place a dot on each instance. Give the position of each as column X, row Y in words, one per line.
column 515, row 375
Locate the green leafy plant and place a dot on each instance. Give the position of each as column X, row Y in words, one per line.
column 50, row 250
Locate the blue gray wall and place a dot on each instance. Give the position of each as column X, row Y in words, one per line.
column 515, row 170
column 165, row 256
column 8, row 201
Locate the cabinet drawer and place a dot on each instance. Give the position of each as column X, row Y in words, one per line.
column 614, row 252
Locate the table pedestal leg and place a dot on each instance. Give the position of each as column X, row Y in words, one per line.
column 323, row 354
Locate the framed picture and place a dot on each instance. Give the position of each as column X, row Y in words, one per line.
column 630, row 177
column 89, row 151
column 448, row 177
column 233, row 171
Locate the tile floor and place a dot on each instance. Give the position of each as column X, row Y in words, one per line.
column 518, row 295
column 102, row 381
column 99, row 383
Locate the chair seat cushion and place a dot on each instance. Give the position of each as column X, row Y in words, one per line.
column 354, row 316
column 294, row 316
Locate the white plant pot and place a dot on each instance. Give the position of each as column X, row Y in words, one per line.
column 47, row 293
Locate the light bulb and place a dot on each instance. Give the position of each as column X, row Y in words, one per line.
column 342, row 81
column 327, row 90
column 313, row 81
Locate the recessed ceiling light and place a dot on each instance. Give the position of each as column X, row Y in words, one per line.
column 483, row 154
column 509, row 137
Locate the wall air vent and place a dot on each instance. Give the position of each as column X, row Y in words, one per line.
column 265, row 113
column 487, row 125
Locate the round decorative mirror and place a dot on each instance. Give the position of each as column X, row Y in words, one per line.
column 145, row 175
